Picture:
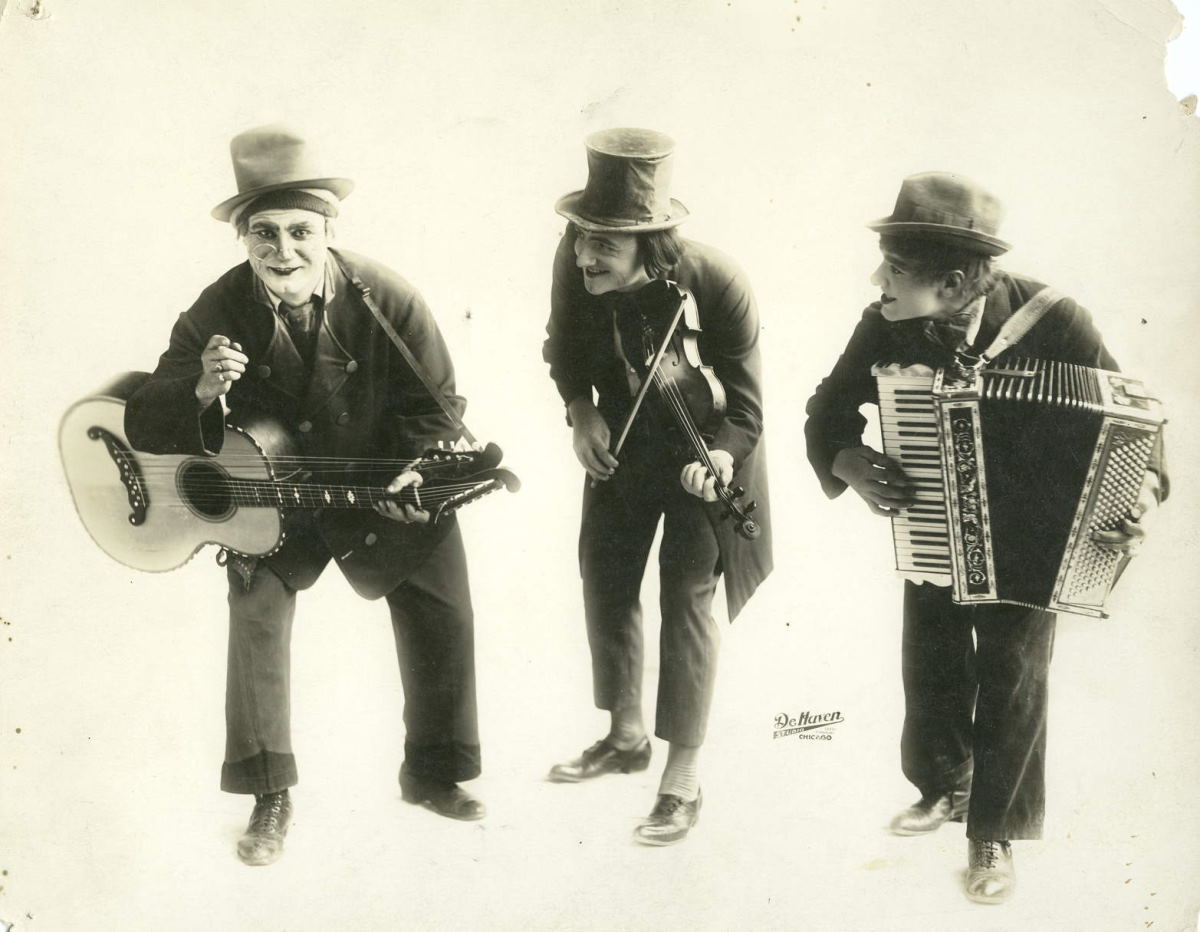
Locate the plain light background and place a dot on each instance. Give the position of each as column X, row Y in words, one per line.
column 795, row 121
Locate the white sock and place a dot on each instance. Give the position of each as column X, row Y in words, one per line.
column 681, row 776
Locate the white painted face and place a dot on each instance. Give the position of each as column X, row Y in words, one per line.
column 904, row 297
column 609, row 261
column 287, row 251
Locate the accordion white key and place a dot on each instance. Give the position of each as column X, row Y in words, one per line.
column 1015, row 466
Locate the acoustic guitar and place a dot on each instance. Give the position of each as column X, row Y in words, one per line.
column 154, row 512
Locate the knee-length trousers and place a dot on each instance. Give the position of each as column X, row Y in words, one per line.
column 433, row 625
column 975, row 701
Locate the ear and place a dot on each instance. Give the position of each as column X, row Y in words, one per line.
column 952, row 283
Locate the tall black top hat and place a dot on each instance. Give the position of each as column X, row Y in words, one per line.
column 629, row 176
column 939, row 205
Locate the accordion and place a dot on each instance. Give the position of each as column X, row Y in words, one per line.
column 1014, row 467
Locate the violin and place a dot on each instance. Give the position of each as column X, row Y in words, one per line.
column 690, row 392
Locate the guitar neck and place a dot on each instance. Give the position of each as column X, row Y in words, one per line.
column 258, row 493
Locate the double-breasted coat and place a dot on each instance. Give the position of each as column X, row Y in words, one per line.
column 362, row 401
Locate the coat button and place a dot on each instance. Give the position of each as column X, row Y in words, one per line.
column 352, row 367
column 264, row 372
column 370, row 539
column 305, row 426
column 344, row 418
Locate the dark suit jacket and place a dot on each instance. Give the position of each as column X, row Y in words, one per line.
column 1065, row 334
column 362, row 401
column 582, row 357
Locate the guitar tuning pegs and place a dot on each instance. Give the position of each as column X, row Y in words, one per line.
column 738, row 492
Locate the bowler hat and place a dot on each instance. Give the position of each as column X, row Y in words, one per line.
column 629, row 176
column 943, row 206
column 274, row 158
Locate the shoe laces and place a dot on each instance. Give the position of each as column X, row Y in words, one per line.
column 668, row 804
column 989, row 853
column 268, row 813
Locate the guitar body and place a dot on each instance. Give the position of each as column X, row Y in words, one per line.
column 142, row 509
column 153, row 511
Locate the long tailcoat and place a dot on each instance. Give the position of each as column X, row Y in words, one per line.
column 362, row 401
column 580, row 349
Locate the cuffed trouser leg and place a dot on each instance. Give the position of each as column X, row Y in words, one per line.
column 938, row 666
column 433, row 623
column 689, row 640
column 258, row 742
column 1008, row 798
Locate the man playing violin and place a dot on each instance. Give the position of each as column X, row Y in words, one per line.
column 289, row 334
column 620, row 274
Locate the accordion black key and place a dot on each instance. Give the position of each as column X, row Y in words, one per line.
column 1014, row 467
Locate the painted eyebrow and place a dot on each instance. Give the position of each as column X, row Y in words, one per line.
column 271, row 225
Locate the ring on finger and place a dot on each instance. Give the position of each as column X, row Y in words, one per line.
column 218, row 367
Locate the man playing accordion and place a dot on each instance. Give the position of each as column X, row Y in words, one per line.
column 974, row 732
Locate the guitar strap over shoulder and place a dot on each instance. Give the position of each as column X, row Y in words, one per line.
column 417, row 368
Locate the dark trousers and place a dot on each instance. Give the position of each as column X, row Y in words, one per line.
column 434, row 630
column 975, row 708
column 620, row 519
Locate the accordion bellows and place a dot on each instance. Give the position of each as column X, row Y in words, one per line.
column 1015, row 466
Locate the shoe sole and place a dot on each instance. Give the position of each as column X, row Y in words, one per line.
column 991, row 900
column 662, row 842
column 553, row 777
column 418, row 800
column 958, row 815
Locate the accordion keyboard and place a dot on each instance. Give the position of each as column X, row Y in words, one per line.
column 908, row 423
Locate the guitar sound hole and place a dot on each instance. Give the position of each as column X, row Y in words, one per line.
column 206, row 490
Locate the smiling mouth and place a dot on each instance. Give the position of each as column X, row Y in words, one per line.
column 283, row 272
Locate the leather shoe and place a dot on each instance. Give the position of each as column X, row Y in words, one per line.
column 262, row 843
column 443, row 797
column 929, row 812
column 669, row 821
column 991, row 878
column 601, row 758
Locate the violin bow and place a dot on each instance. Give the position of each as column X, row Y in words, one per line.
column 655, row 362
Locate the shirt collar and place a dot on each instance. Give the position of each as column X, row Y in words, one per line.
column 325, row 288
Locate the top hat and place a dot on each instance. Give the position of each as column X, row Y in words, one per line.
column 274, row 158
column 943, row 206
column 629, row 174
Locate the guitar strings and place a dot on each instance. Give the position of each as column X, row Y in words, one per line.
column 363, row 496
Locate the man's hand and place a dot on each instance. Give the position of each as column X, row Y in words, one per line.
column 405, row 514
column 222, row 363
column 700, row 482
column 878, row 479
column 591, row 439
column 1130, row 536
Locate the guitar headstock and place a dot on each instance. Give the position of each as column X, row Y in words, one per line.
column 449, row 462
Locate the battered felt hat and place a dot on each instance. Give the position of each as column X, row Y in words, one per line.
column 627, row 190
column 947, row 207
column 273, row 158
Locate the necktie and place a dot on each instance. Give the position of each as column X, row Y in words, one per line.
column 299, row 319
column 301, row 323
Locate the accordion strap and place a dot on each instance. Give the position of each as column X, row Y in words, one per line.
column 1019, row 324
column 413, row 363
